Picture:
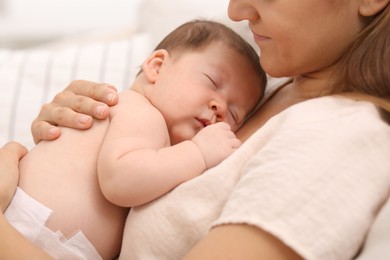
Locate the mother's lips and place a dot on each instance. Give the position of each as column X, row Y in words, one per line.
column 258, row 37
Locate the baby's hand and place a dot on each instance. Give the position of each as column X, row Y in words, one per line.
column 216, row 142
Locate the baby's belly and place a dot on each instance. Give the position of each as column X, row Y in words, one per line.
column 62, row 175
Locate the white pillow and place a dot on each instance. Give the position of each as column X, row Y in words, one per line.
column 32, row 77
column 161, row 17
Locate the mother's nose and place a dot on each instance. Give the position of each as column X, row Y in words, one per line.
column 239, row 10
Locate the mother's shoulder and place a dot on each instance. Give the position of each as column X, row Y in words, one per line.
column 330, row 110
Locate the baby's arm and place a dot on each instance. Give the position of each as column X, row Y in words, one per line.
column 136, row 163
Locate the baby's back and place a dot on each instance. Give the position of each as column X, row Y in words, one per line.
column 62, row 176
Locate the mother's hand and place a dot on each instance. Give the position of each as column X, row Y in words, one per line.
column 10, row 155
column 74, row 107
column 13, row 245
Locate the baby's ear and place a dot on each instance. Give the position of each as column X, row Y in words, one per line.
column 152, row 65
column 372, row 7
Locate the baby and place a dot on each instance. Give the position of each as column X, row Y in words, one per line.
column 177, row 120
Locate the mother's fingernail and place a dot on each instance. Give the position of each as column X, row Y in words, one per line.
column 111, row 97
column 84, row 119
column 53, row 131
column 100, row 110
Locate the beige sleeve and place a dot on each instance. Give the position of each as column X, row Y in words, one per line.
column 317, row 186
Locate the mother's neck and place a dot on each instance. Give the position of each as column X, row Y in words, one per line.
column 297, row 90
column 311, row 85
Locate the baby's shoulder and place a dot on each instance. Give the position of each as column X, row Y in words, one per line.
column 135, row 111
column 133, row 102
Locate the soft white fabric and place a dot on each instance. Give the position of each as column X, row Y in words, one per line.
column 29, row 216
column 377, row 245
column 30, row 78
column 322, row 209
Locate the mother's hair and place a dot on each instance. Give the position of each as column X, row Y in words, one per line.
column 364, row 70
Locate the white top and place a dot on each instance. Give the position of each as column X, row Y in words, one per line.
column 314, row 176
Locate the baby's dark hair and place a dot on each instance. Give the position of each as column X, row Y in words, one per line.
column 197, row 34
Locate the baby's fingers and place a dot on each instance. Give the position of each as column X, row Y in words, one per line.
column 236, row 143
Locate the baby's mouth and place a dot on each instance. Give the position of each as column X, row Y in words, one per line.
column 203, row 122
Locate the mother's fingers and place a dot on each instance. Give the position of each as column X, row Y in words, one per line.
column 14, row 149
column 74, row 107
column 103, row 92
column 10, row 155
column 87, row 98
column 42, row 130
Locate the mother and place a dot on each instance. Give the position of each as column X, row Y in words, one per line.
column 314, row 171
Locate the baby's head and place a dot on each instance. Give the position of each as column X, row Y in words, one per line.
column 208, row 72
column 198, row 34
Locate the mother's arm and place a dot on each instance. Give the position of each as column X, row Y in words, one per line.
column 13, row 245
column 74, row 107
column 240, row 241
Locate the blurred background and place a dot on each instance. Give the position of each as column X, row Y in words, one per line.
column 26, row 23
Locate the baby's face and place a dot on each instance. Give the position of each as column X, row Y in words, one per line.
column 215, row 84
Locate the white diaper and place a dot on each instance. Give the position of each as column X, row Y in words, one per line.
column 28, row 216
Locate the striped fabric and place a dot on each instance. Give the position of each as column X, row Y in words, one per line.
column 29, row 78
